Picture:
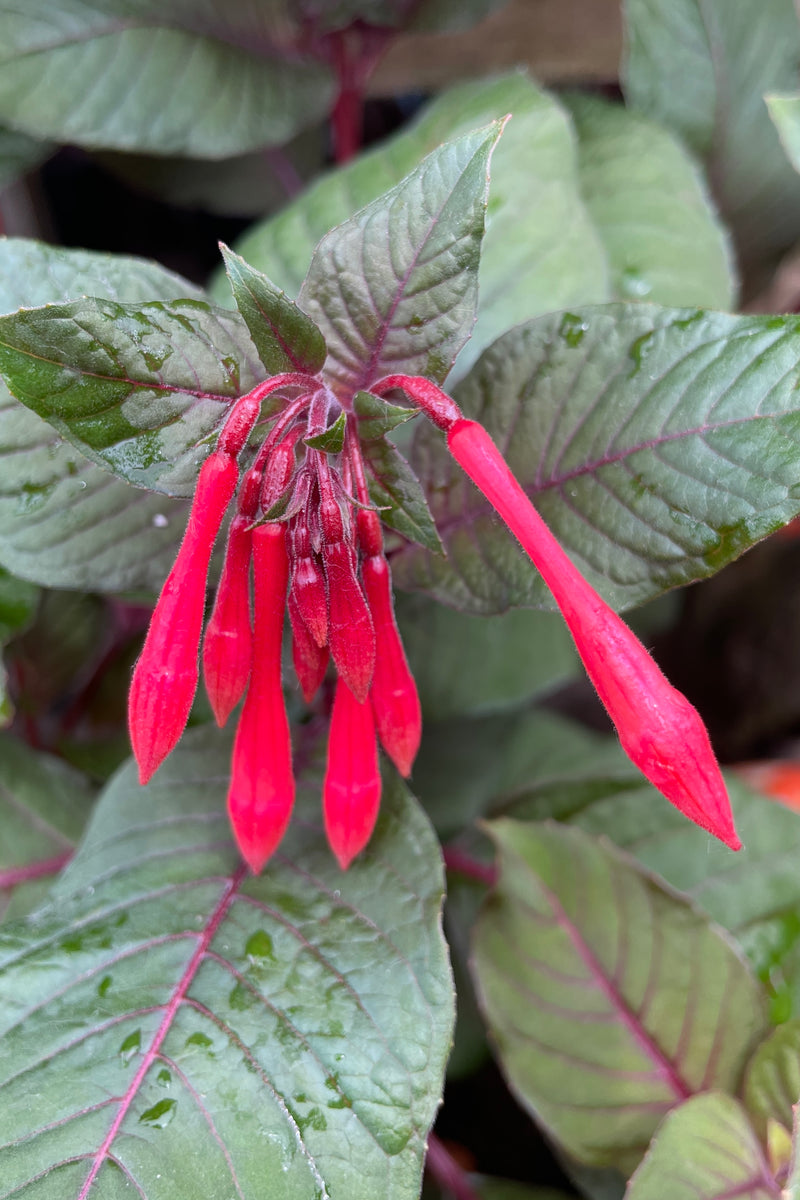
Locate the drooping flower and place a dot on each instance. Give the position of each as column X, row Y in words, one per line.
column 660, row 731
column 317, row 550
column 305, row 523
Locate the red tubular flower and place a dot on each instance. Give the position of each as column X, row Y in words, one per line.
column 660, row 731
column 351, row 635
column 165, row 677
column 310, row 660
column 228, row 643
column 308, row 583
column 352, row 789
column 261, row 792
column 395, row 701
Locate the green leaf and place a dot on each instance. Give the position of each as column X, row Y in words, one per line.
column 19, row 154
column 477, row 665
column 658, row 444
column 203, row 1032
column 550, row 767
column 531, row 764
column 165, row 79
column 785, row 113
column 63, row 521
column 44, row 806
column 705, row 1150
column 394, row 288
column 135, row 387
column 659, row 249
column 609, row 998
column 331, row 440
column 395, row 489
column 376, row 417
column 540, row 251
column 772, row 1083
column 18, row 601
column 285, row 338
column 701, row 67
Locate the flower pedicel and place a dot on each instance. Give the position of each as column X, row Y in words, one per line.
column 305, row 521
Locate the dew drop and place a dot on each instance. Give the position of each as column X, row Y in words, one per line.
column 160, row 521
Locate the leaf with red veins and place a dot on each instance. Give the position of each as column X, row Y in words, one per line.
column 184, row 993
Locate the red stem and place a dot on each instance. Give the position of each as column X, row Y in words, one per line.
column 13, row 876
column 448, row 1174
column 464, row 864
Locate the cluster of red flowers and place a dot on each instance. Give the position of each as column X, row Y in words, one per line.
column 304, row 519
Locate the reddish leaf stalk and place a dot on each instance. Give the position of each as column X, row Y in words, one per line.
column 261, row 793
column 165, row 677
column 352, row 789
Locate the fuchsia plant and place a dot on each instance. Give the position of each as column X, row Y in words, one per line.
column 312, row 527
column 176, row 1022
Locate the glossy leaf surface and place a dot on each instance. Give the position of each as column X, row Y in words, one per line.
column 609, row 998
column 705, row 1150
column 136, row 388
column 204, row 1032
column 658, row 444
column 394, row 288
column 64, row 522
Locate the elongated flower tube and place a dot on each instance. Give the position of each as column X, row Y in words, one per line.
column 310, row 660
column 165, row 677
column 261, row 792
column 228, row 642
column 395, row 701
column 352, row 789
column 660, row 731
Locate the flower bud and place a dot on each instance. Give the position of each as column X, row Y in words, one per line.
column 352, row 789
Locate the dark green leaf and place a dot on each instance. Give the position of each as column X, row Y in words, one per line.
column 285, row 338
column 477, row 665
column 376, row 417
column 658, row 444
column 540, row 252
column 772, row 1083
column 19, row 154
column 610, row 999
column 135, row 387
column 63, row 521
column 530, row 763
column 217, row 1034
column 701, row 67
column 660, row 249
column 18, row 601
column 395, row 489
column 705, row 1150
column 331, row 440
column 165, row 78
column 394, row 288
column 43, row 808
